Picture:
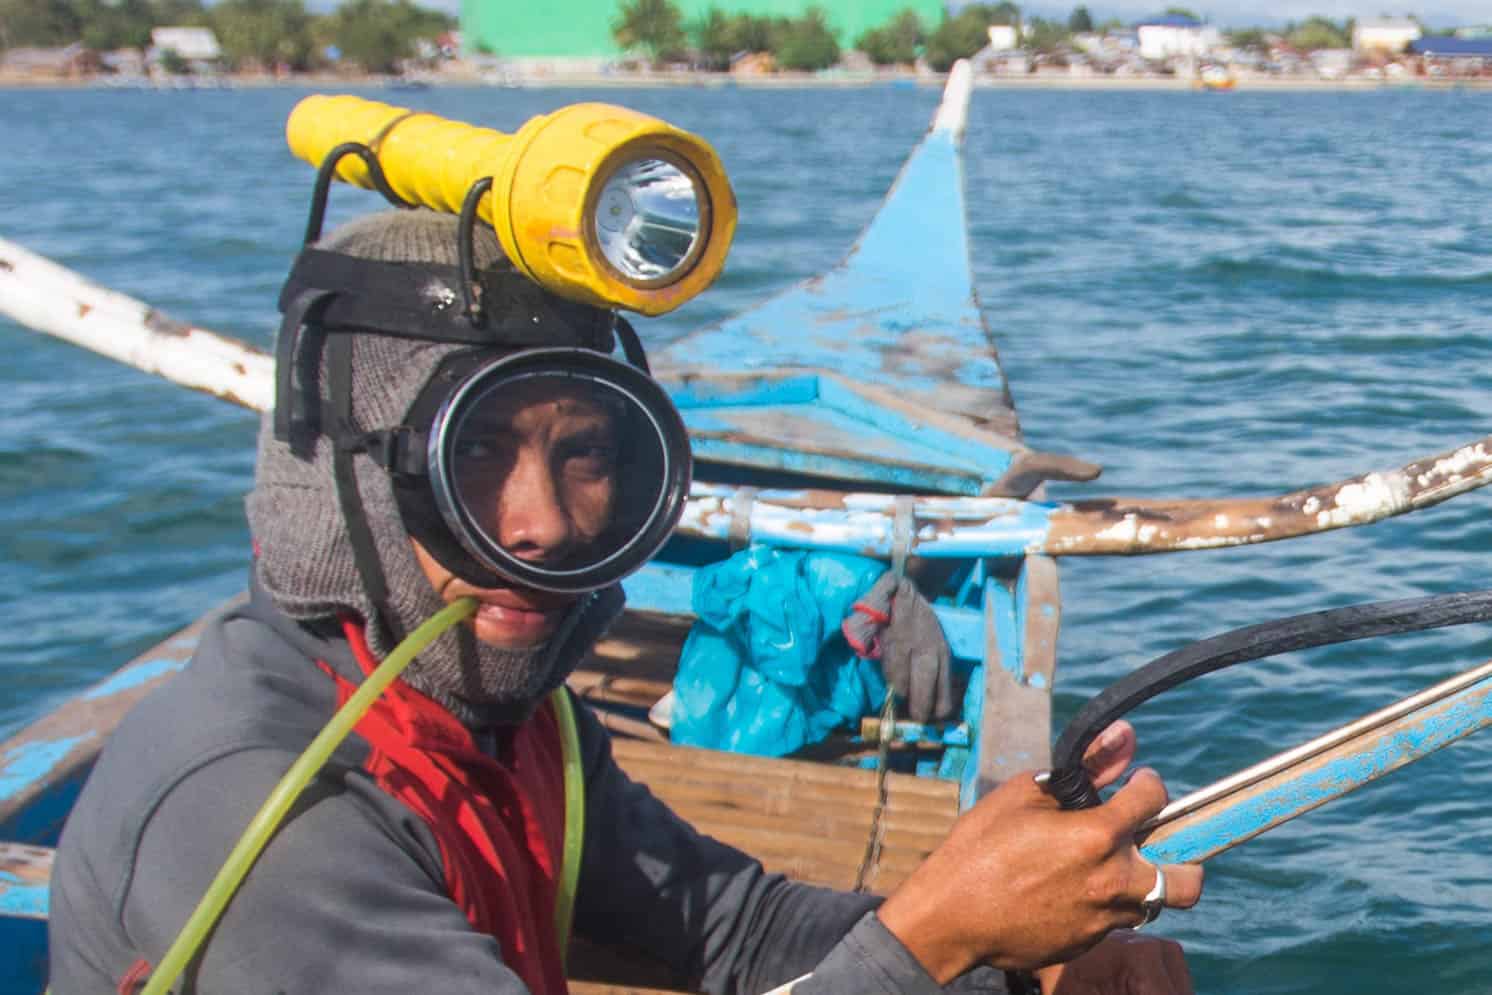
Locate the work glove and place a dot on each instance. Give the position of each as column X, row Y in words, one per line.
column 894, row 623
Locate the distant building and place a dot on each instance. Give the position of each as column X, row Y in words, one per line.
column 124, row 62
column 48, row 63
column 1386, row 35
column 1176, row 36
column 1332, row 63
column 198, row 47
column 569, row 35
column 1454, row 49
column 753, row 64
column 1003, row 37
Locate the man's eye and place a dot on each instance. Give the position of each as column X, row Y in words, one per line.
column 474, row 450
column 482, row 452
column 591, row 460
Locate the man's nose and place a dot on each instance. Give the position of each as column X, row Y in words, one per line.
column 532, row 521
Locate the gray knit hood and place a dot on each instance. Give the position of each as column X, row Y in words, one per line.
column 304, row 559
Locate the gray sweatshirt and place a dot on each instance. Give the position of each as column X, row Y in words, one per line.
column 350, row 895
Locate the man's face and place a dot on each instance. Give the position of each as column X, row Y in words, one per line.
column 536, row 467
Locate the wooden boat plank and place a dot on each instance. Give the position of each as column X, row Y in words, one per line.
column 43, row 766
column 908, row 323
column 24, row 873
column 1018, row 688
column 749, row 768
column 818, row 424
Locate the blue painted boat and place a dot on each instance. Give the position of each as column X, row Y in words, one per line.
column 862, row 411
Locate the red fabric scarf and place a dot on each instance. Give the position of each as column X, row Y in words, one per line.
column 500, row 825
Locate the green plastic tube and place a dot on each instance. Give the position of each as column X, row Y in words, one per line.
column 564, row 906
column 273, row 811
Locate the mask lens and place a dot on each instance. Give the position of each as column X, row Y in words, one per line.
column 647, row 221
column 561, row 479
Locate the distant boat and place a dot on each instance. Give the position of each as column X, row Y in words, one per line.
column 408, row 83
column 1216, row 78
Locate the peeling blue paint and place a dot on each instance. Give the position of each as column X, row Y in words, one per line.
column 712, row 392
column 733, row 450
column 1002, row 606
column 1312, row 786
column 974, row 716
column 29, row 901
column 135, row 675
column 980, row 456
column 833, row 415
column 30, row 763
column 906, row 322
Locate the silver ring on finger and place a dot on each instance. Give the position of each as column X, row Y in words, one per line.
column 1154, row 901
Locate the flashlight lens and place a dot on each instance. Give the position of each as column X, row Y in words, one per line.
column 647, row 220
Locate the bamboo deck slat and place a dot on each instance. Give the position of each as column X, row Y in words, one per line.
column 807, row 820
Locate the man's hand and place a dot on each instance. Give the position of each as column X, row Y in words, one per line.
column 1021, row 884
column 1123, row 963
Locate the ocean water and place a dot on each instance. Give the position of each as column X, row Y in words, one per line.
column 1210, row 294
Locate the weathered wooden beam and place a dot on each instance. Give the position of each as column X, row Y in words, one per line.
column 1016, row 723
column 1125, row 526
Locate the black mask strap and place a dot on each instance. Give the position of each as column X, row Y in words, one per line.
column 631, row 344
column 297, row 357
column 348, row 444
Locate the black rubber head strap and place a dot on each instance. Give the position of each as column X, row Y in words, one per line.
column 426, row 301
column 359, row 535
column 297, row 356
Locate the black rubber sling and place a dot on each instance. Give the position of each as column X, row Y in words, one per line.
column 1070, row 783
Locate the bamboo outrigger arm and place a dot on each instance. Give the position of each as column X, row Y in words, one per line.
column 941, row 527
column 39, row 294
column 49, row 298
column 1268, row 794
column 1141, row 526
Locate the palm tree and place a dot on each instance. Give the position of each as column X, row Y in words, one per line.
column 655, row 26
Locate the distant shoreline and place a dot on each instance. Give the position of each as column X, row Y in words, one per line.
column 778, row 81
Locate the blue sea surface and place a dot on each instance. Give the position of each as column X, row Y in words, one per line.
column 1209, row 294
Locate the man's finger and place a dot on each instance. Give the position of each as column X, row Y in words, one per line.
column 1110, row 754
column 1183, row 885
column 1144, row 796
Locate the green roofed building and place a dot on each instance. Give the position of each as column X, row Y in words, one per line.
column 579, row 31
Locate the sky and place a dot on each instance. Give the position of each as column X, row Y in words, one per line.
column 1224, row 13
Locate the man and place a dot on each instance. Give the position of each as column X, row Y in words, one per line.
column 414, row 458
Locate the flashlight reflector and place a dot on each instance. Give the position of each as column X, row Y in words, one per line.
column 648, row 221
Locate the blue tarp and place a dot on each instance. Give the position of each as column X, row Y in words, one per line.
column 766, row 670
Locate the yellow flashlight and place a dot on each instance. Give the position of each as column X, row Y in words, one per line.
column 595, row 202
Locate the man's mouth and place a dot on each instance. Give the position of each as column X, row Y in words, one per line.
column 522, row 600
column 512, row 622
